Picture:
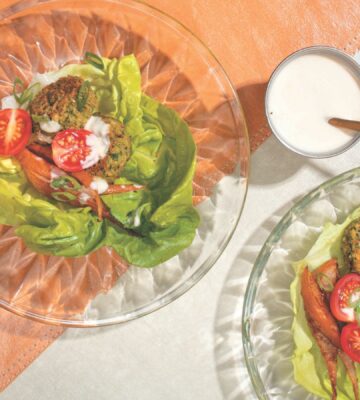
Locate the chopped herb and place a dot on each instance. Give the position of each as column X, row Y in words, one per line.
column 21, row 94
column 40, row 118
column 94, row 60
column 65, row 182
column 18, row 83
column 82, row 96
column 63, row 196
column 324, row 282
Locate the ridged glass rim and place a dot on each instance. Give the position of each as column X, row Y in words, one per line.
column 239, row 120
column 260, row 264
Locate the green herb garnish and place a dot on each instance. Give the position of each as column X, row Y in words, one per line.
column 21, row 94
column 40, row 118
column 324, row 282
column 63, row 196
column 94, row 60
column 82, row 96
column 65, row 182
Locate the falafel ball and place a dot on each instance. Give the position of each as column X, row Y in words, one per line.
column 351, row 246
column 119, row 153
column 60, row 101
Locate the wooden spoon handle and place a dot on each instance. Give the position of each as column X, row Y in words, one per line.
column 345, row 123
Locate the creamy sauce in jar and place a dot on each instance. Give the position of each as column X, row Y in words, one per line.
column 306, row 92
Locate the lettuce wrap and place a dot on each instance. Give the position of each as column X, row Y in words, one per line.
column 163, row 159
column 309, row 366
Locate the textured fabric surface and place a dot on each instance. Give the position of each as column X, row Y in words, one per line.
column 249, row 38
column 21, row 341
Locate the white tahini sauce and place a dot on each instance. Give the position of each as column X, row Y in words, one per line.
column 137, row 220
column 9, row 102
column 99, row 184
column 308, row 91
column 84, row 198
column 98, row 141
column 50, row 126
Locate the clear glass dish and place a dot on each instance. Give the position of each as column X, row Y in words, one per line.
column 267, row 310
column 178, row 70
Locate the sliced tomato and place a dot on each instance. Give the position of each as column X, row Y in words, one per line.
column 345, row 298
column 15, row 130
column 350, row 341
column 69, row 149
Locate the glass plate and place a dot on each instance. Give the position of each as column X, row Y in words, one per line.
column 178, row 70
column 267, row 312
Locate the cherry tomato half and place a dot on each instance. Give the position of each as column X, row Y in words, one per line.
column 345, row 297
column 350, row 341
column 15, row 130
column 70, row 150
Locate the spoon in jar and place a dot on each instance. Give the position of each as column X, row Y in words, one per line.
column 345, row 123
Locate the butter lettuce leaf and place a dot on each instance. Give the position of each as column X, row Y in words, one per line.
column 163, row 160
column 309, row 367
column 44, row 226
column 168, row 219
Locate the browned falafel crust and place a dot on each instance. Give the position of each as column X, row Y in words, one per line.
column 351, row 246
column 119, row 153
column 58, row 102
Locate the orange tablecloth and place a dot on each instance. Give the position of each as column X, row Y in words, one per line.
column 249, row 38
